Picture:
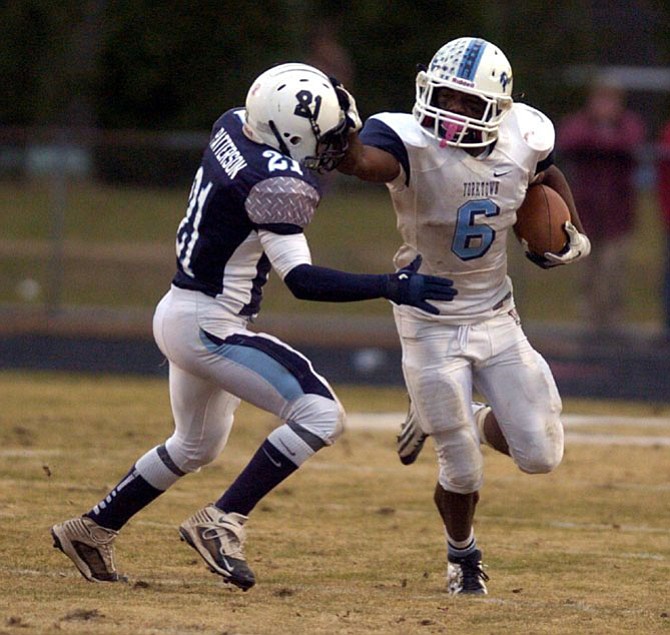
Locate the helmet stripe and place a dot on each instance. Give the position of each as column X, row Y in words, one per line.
column 471, row 58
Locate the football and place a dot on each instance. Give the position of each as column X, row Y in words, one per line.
column 540, row 220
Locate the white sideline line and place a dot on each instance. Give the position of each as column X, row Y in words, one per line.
column 570, row 421
column 386, row 421
column 615, row 439
column 27, row 452
column 392, row 420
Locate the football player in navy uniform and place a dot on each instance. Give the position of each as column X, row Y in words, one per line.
column 252, row 197
column 457, row 169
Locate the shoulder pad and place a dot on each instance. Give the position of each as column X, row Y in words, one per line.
column 282, row 200
column 535, row 127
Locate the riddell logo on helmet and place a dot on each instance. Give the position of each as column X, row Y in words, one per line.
column 464, row 82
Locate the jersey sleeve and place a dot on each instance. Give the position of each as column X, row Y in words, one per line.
column 536, row 129
column 545, row 163
column 377, row 134
column 283, row 204
column 285, row 251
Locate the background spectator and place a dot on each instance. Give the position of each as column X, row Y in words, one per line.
column 664, row 200
column 598, row 146
column 330, row 56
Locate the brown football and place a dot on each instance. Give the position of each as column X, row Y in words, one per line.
column 540, row 220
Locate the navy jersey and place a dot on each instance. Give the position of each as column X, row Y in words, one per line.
column 244, row 196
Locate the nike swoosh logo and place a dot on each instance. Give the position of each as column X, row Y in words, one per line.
column 273, row 461
column 226, row 566
column 291, row 452
column 497, row 173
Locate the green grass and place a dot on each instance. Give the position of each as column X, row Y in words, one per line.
column 354, row 230
column 350, row 544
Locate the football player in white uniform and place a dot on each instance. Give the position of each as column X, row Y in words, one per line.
column 457, row 169
column 251, row 199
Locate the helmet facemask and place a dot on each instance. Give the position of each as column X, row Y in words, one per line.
column 470, row 66
column 289, row 106
column 330, row 147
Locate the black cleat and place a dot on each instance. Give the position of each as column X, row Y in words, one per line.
column 466, row 576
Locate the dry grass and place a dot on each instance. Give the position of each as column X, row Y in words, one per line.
column 107, row 229
column 350, row 544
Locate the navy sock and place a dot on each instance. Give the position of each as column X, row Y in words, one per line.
column 129, row 496
column 267, row 468
column 455, row 552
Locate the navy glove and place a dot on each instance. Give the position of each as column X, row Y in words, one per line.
column 406, row 286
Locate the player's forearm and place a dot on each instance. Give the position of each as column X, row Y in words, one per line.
column 555, row 179
column 368, row 163
column 309, row 282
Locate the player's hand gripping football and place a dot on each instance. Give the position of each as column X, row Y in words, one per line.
column 406, row 286
column 348, row 105
column 578, row 247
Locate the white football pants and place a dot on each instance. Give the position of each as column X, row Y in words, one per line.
column 442, row 363
column 211, row 373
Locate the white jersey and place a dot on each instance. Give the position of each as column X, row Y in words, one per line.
column 455, row 209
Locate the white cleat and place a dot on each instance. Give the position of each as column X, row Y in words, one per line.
column 89, row 546
column 219, row 539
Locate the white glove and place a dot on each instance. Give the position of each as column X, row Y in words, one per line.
column 348, row 104
column 578, row 247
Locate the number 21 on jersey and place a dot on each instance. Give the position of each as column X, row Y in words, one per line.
column 188, row 232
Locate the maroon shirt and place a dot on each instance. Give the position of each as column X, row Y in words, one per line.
column 600, row 163
column 664, row 174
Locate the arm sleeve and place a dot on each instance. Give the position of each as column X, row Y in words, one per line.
column 377, row 134
column 290, row 257
column 309, row 282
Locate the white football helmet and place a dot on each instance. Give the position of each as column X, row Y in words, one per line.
column 470, row 65
column 294, row 108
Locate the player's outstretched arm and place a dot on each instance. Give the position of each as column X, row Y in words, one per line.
column 368, row 163
column 406, row 286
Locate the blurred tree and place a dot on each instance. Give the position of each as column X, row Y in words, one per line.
column 33, row 48
column 177, row 65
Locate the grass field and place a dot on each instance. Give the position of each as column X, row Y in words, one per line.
column 118, row 251
column 351, row 544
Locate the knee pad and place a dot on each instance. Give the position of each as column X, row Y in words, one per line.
column 190, row 455
column 461, row 482
column 318, row 415
column 544, row 455
column 541, row 460
column 460, row 461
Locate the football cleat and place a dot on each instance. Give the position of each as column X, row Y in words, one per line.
column 466, row 576
column 89, row 546
column 219, row 539
column 409, row 442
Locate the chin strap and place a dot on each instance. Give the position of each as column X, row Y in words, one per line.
column 283, row 148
